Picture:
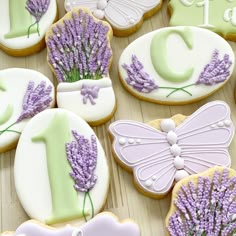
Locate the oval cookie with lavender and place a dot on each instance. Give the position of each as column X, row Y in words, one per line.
column 176, row 65
column 23, row 25
column 79, row 54
column 23, row 94
column 64, row 158
column 204, row 204
column 104, row 224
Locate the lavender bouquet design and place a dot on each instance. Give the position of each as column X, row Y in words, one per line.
column 37, row 8
column 216, row 71
column 79, row 48
column 36, row 99
column 82, row 156
column 206, row 207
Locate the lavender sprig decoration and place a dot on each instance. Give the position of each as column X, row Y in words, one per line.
column 37, row 8
column 138, row 78
column 207, row 208
column 36, row 99
column 82, row 156
column 79, row 48
column 216, row 71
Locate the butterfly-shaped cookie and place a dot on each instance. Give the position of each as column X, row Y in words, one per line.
column 125, row 16
column 160, row 158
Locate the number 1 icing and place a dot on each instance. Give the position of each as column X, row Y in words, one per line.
column 104, row 224
column 218, row 16
column 68, row 165
column 158, row 158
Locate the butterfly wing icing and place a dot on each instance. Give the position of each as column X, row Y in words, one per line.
column 90, row 4
column 205, row 136
column 146, row 151
column 124, row 14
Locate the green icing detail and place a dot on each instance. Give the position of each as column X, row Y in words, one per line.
column 2, row 85
column 64, row 197
column 159, row 54
column 194, row 15
column 6, row 115
column 20, row 19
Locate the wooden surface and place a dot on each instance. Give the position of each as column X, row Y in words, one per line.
column 123, row 199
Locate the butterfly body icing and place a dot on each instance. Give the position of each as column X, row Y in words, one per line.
column 160, row 158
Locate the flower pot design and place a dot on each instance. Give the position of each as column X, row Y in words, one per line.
column 92, row 100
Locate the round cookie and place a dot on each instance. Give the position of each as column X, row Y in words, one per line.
column 23, row 94
column 125, row 16
column 204, row 204
column 165, row 151
column 23, row 25
column 105, row 224
column 218, row 16
column 61, row 172
column 176, row 65
column 79, row 54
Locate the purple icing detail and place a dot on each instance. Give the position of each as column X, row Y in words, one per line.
column 216, row 71
column 89, row 93
column 79, row 48
column 37, row 8
column 138, row 78
column 35, row 100
column 206, row 209
column 82, row 156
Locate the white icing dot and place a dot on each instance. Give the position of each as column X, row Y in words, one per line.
column 99, row 14
column 131, row 21
column 154, row 177
column 180, row 174
column 122, row 141
column 220, row 124
column 172, row 137
column 213, row 126
column 131, row 141
column 227, row 123
column 175, row 150
column 148, row 183
column 179, row 163
column 101, row 4
column 167, row 125
column 233, row 217
column 138, row 140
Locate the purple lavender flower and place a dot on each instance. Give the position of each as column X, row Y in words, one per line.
column 216, row 71
column 79, row 48
column 205, row 208
column 82, row 156
column 138, row 78
column 35, row 100
column 37, row 8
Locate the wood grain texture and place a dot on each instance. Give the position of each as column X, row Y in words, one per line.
column 123, row 198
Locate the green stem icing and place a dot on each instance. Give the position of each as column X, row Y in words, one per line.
column 32, row 25
column 64, row 197
column 6, row 115
column 159, row 54
column 7, row 129
column 20, row 19
column 87, row 194
column 175, row 89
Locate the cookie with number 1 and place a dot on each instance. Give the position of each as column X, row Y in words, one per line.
column 61, row 171
column 215, row 15
column 23, row 25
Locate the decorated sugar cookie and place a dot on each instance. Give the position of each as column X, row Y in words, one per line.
column 23, row 25
column 176, row 65
column 23, row 94
column 62, row 155
column 105, row 224
column 218, row 16
column 125, row 16
column 80, row 55
column 163, row 155
column 204, row 204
